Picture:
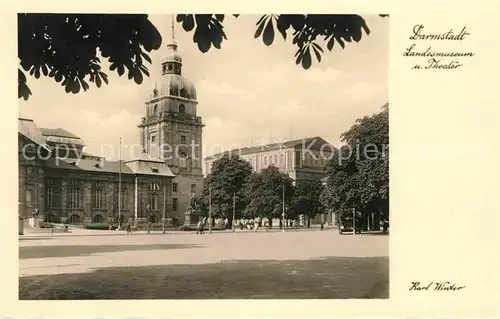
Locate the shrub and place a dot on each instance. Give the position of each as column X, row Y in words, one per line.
column 44, row 225
column 194, row 228
column 187, row 228
column 153, row 226
column 99, row 226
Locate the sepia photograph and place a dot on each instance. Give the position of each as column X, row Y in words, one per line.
column 203, row 156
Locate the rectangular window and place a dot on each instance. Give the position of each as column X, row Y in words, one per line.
column 153, row 138
column 122, row 199
column 193, row 188
column 153, row 202
column 53, row 194
column 29, row 198
column 75, row 197
column 175, row 204
column 298, row 159
column 183, row 139
column 174, row 187
column 98, row 196
column 29, row 172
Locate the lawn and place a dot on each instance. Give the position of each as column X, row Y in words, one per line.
column 332, row 277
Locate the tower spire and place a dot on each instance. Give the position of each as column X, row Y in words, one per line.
column 173, row 29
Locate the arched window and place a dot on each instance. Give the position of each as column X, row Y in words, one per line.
column 155, row 109
column 182, row 160
column 182, row 108
column 154, row 186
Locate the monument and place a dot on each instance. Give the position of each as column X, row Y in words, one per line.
column 193, row 212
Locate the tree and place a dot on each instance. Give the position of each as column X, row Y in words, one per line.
column 306, row 199
column 360, row 179
column 265, row 193
column 229, row 176
column 69, row 47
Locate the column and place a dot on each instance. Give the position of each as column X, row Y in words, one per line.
column 135, row 197
column 64, row 198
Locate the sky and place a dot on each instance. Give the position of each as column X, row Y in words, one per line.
column 248, row 93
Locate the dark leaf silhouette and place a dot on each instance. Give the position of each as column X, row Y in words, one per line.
column 188, row 22
column 306, row 59
column 261, row 24
column 268, row 36
column 65, row 47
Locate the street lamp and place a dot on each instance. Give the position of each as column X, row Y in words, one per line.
column 284, row 222
column 354, row 221
column 209, row 209
column 163, row 220
column 147, row 210
column 234, row 212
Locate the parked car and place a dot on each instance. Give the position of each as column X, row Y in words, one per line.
column 346, row 224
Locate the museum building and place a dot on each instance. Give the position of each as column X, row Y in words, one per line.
column 80, row 187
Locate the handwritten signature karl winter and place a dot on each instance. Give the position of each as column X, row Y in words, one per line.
column 435, row 286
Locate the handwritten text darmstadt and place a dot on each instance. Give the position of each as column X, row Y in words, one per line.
column 448, row 59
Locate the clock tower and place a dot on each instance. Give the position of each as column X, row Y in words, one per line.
column 172, row 131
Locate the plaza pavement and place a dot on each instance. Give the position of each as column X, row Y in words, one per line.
column 178, row 254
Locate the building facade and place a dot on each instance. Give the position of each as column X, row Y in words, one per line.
column 77, row 187
column 302, row 159
column 62, row 182
column 172, row 130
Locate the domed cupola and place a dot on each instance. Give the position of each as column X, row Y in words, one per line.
column 172, row 82
column 172, row 61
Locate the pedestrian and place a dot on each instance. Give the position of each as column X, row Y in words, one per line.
column 198, row 227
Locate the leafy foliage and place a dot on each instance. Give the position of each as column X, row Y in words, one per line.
column 306, row 198
column 308, row 31
column 229, row 176
column 361, row 179
column 66, row 47
column 265, row 193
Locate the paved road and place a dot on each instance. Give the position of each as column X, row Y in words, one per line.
column 85, row 250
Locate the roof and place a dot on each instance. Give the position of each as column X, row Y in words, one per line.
column 149, row 165
column 145, row 157
column 61, row 136
column 316, row 141
column 27, row 128
column 93, row 165
column 172, row 54
column 58, row 132
column 105, row 166
column 172, row 84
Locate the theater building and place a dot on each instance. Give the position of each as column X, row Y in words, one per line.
column 301, row 159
